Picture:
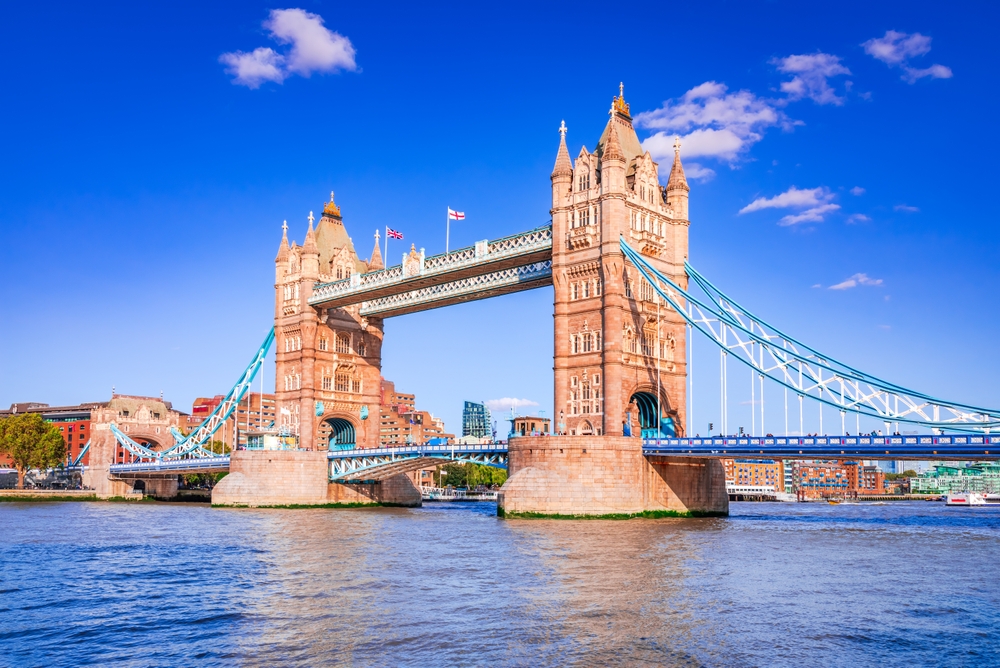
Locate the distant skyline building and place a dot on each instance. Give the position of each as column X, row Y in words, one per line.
column 476, row 420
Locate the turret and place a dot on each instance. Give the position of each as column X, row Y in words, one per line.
column 677, row 185
column 562, row 173
column 612, row 157
column 281, row 260
column 310, row 253
column 375, row 262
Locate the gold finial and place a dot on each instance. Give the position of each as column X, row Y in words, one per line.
column 284, row 227
column 619, row 104
column 677, row 143
column 562, row 129
column 310, row 218
column 331, row 208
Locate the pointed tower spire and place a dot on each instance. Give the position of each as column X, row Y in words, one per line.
column 563, row 165
column 677, row 185
column 677, row 179
column 613, row 147
column 309, row 245
column 376, row 260
column 283, row 247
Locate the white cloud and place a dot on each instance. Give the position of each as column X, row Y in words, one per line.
column 698, row 172
column 910, row 75
column 791, row 198
column 711, row 121
column 811, row 72
column 905, row 208
column 314, row 48
column 817, row 285
column 857, row 191
column 814, row 202
column 895, row 49
column 858, row 218
column 254, row 68
column 506, row 403
column 856, row 280
column 813, row 215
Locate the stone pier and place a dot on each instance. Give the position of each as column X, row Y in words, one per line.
column 606, row 475
column 261, row 478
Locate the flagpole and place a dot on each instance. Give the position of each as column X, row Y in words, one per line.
column 386, row 260
column 447, row 229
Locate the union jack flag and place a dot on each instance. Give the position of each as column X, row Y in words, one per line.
column 393, row 234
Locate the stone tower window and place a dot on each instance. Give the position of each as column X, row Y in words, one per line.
column 343, row 343
column 327, row 383
column 324, row 344
column 586, row 289
column 584, row 180
column 343, row 382
column 573, row 381
column 361, row 347
column 574, row 292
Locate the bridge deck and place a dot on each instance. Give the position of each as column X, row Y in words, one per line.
column 915, row 447
column 518, row 262
column 168, row 468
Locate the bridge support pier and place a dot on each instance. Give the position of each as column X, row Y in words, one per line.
column 606, row 475
column 261, row 478
column 106, row 486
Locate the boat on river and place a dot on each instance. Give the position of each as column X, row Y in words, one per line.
column 964, row 499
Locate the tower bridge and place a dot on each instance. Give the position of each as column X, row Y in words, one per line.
column 625, row 300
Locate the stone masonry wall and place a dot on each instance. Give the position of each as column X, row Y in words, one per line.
column 595, row 475
column 574, row 475
column 300, row 477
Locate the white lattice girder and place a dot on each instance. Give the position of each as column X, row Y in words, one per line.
column 482, row 286
column 485, row 257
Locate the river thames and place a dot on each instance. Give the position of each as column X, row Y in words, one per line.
column 908, row 583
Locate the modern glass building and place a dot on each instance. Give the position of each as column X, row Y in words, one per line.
column 476, row 420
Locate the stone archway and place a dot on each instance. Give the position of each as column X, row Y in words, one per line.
column 339, row 432
column 655, row 421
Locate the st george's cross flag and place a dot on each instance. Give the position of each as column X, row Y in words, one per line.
column 456, row 215
column 392, row 234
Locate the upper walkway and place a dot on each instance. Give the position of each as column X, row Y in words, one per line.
column 489, row 268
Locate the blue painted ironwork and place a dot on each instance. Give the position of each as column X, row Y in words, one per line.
column 193, row 445
column 381, row 463
column 79, row 457
column 172, row 466
column 798, row 367
column 913, row 447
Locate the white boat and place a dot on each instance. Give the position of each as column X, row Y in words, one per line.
column 991, row 498
column 965, row 499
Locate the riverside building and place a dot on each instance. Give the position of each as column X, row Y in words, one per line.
column 476, row 420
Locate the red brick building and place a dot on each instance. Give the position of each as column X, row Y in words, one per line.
column 249, row 416
column 400, row 422
column 755, row 472
column 73, row 423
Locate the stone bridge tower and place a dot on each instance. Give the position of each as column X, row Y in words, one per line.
column 328, row 361
column 610, row 334
column 146, row 420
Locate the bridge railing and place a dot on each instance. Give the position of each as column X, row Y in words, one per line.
column 499, row 249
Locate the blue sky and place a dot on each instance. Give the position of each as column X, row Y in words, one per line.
column 144, row 182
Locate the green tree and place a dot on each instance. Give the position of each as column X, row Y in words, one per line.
column 471, row 475
column 31, row 442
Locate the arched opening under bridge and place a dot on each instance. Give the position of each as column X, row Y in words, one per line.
column 651, row 419
column 340, row 433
